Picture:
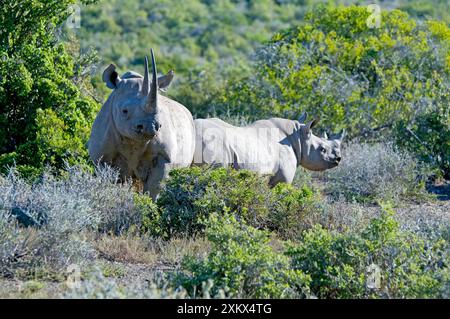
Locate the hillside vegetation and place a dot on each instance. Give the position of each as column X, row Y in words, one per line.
column 209, row 43
column 376, row 226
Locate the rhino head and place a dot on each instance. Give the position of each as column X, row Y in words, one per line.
column 134, row 100
column 318, row 153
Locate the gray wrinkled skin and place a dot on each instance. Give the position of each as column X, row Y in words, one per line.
column 141, row 132
column 275, row 146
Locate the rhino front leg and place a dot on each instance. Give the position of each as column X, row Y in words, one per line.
column 159, row 171
column 283, row 176
column 287, row 166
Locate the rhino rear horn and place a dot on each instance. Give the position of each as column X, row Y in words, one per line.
column 155, row 87
column 146, row 82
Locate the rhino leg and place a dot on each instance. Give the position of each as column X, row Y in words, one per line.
column 159, row 171
column 282, row 176
column 286, row 170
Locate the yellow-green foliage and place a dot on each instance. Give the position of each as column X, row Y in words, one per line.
column 192, row 194
column 350, row 75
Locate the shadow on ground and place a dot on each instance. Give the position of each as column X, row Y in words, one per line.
column 440, row 189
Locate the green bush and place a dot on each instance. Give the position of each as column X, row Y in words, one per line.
column 428, row 137
column 339, row 263
column 190, row 195
column 291, row 208
column 206, row 42
column 44, row 116
column 351, row 76
column 149, row 213
column 242, row 264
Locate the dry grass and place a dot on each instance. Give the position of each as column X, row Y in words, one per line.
column 139, row 249
column 176, row 249
column 127, row 249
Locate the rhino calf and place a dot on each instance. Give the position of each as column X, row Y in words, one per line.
column 141, row 132
column 275, row 146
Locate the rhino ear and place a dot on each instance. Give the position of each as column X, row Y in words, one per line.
column 310, row 125
column 341, row 135
column 165, row 81
column 303, row 117
column 111, row 77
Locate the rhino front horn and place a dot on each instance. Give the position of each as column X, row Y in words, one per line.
column 151, row 89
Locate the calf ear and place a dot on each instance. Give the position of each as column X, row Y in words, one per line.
column 341, row 135
column 165, row 80
column 311, row 124
column 303, row 117
column 111, row 77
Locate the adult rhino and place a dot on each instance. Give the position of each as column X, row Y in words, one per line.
column 275, row 146
column 141, row 132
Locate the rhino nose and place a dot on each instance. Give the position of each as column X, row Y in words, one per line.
column 338, row 159
column 139, row 127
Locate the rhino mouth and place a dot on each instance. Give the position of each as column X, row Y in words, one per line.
column 144, row 135
column 334, row 163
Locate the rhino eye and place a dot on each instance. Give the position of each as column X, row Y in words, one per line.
column 125, row 111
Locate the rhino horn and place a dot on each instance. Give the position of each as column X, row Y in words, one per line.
column 151, row 90
column 146, row 83
column 325, row 135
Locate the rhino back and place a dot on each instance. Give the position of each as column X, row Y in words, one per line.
column 243, row 147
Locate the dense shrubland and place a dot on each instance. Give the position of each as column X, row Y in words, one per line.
column 383, row 82
column 306, row 256
column 60, row 211
column 366, row 229
column 391, row 80
column 192, row 195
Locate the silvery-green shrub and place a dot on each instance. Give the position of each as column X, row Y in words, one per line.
column 68, row 207
column 376, row 171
